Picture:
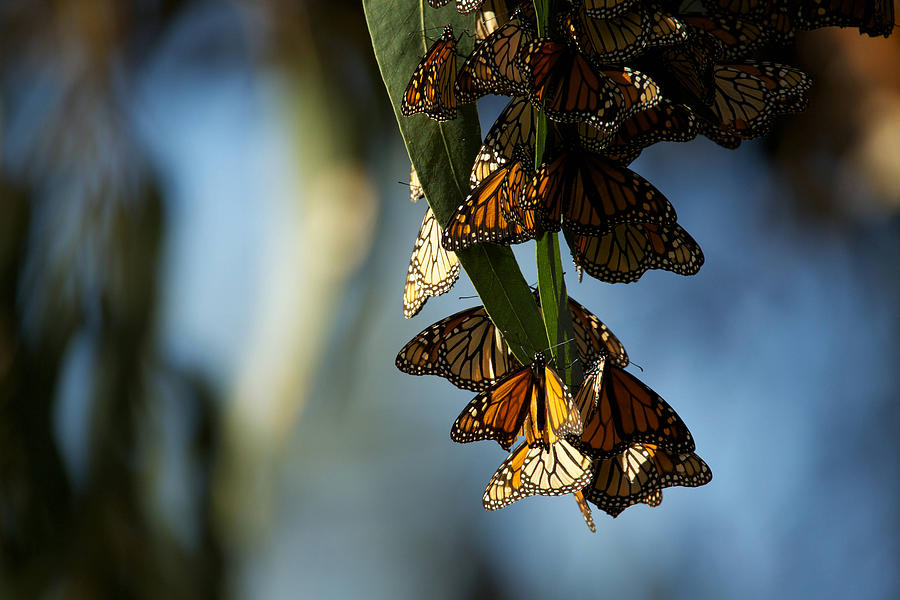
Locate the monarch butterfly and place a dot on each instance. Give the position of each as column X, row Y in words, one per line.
column 491, row 68
column 639, row 473
column 513, row 128
column 467, row 349
column 432, row 270
column 531, row 401
column 625, row 253
column 617, row 39
column 463, row 6
column 431, row 89
column 748, row 96
column 565, row 84
column 553, row 470
column 416, row 191
column 665, row 122
column 592, row 195
column 739, row 38
column 486, row 214
column 639, row 92
column 617, row 410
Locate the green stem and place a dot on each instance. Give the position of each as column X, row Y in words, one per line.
column 551, row 282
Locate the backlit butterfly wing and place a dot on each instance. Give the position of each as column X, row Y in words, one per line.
column 431, row 89
column 666, row 122
column 485, row 216
column 432, row 269
column 566, row 85
column 489, row 18
column 594, row 339
column 416, row 191
column 609, row 40
column 627, row 411
column 748, row 96
column 624, row 254
column 639, row 92
column 593, row 195
column 513, row 128
column 739, row 38
column 531, row 401
column 550, row 471
column 464, row 348
column 639, row 473
column 491, row 67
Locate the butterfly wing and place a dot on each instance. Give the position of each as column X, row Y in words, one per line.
column 499, row 412
column 432, row 269
column 628, row 251
column 628, row 411
column 431, row 89
column 639, row 473
column 594, row 339
column 483, row 217
column 585, row 509
column 464, row 348
column 555, row 471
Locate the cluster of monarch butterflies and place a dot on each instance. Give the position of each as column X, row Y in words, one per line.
column 615, row 442
column 610, row 77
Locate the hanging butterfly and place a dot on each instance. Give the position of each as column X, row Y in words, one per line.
column 566, row 86
column 685, row 71
column 431, row 90
column 629, row 250
column 665, row 122
column 491, row 67
column 486, row 214
column 748, row 96
column 553, row 470
column 639, row 473
column 514, row 128
column 416, row 191
column 591, row 195
column 432, row 270
column 619, row 39
column 531, row 401
column 466, row 349
column 617, row 410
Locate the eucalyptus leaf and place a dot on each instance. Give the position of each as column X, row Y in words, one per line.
column 443, row 155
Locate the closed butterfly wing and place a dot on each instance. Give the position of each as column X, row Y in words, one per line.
column 491, row 68
column 627, row 411
column 594, row 339
column 416, row 191
column 485, row 217
column 513, row 129
column 431, row 90
column 666, row 122
column 609, row 40
column 624, row 254
column 432, row 269
column 556, row 470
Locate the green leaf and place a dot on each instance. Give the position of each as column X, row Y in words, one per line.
column 443, row 155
